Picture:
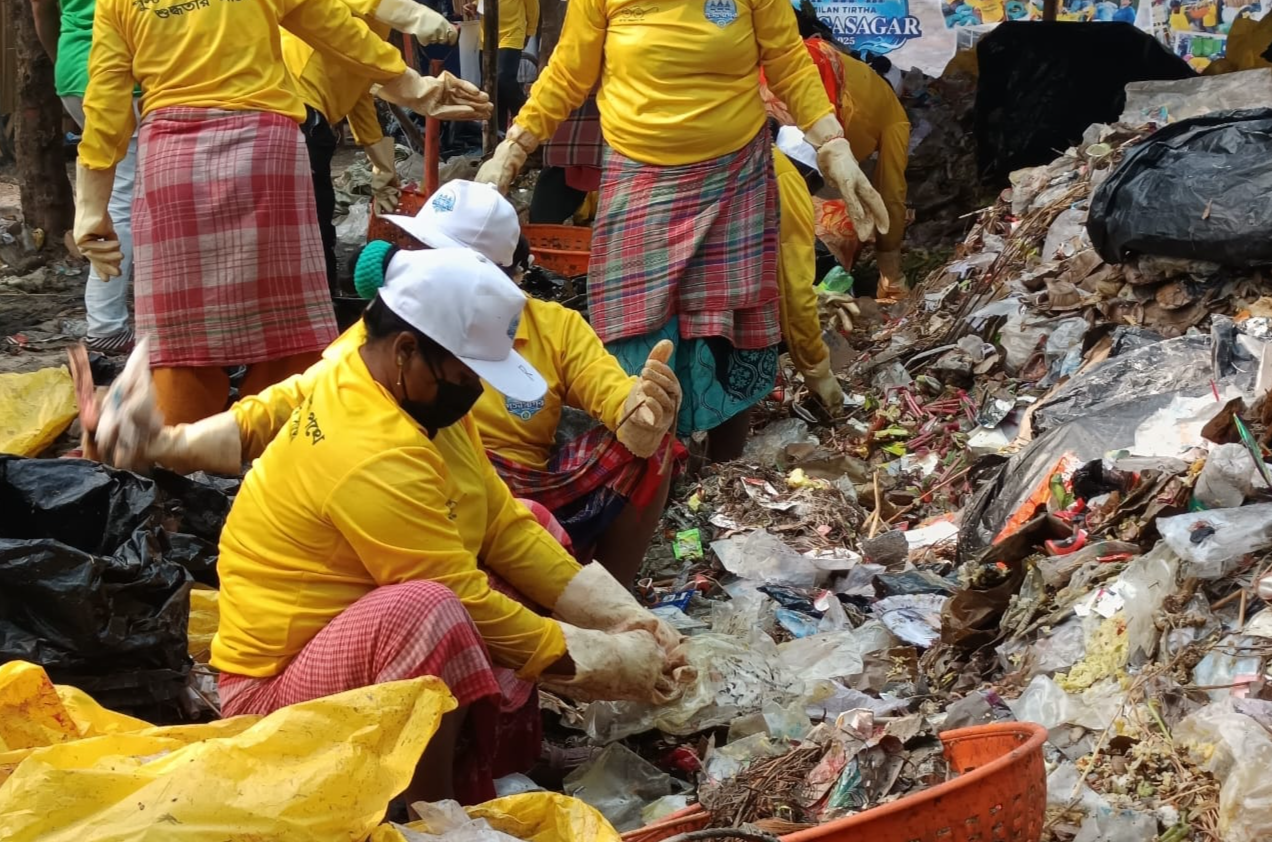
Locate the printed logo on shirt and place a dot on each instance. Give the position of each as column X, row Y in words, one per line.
column 525, row 410
column 720, row 12
column 444, row 202
column 634, row 14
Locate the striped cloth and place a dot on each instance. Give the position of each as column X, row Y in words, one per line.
column 698, row 241
column 228, row 256
column 587, row 483
column 578, row 147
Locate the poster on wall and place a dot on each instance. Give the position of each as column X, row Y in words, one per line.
column 909, row 32
column 1197, row 31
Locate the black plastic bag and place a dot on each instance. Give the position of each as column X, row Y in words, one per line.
column 1197, row 190
column 85, row 588
column 1041, row 84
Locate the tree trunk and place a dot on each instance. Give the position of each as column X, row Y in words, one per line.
column 551, row 18
column 38, row 144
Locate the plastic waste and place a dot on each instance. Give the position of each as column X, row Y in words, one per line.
column 772, row 446
column 1212, row 543
column 1238, row 751
column 619, row 783
column 762, row 557
column 827, row 700
column 324, row 769
column 515, row 784
column 1186, row 192
column 1018, row 338
column 725, row 762
column 913, row 582
column 1227, row 478
column 915, row 618
column 1118, row 826
column 1146, row 583
column 35, row 408
column 837, row 280
column 531, row 816
column 799, row 625
column 446, row 821
column 663, row 807
column 1186, row 98
column 1225, row 671
column 125, row 641
column 1046, row 703
column 735, row 676
column 822, row 656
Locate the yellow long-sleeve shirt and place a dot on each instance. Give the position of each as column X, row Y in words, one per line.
column 796, row 268
column 580, row 373
column 678, row 81
column 327, row 85
column 222, row 54
column 518, row 21
column 874, row 120
column 351, row 495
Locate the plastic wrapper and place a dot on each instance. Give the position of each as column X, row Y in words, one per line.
column 734, row 677
column 1118, row 826
column 1229, row 667
column 1041, row 84
column 823, row 656
column 1238, row 751
column 321, row 770
column 87, row 592
column 1193, row 190
column 1146, row 583
column 35, row 408
column 762, row 557
column 724, row 762
column 914, row 618
column 1227, row 478
column 619, row 783
column 772, row 446
column 1187, row 98
column 1212, row 543
column 1046, row 703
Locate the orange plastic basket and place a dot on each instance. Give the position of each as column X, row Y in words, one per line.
column 381, row 229
column 1000, row 794
column 564, row 249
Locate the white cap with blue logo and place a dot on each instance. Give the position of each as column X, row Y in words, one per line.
column 466, row 214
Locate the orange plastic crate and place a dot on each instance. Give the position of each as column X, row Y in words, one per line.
column 565, row 249
column 1000, row 794
column 381, row 229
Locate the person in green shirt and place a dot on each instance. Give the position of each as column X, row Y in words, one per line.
column 65, row 30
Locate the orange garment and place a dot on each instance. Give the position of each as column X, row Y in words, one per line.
column 186, row 395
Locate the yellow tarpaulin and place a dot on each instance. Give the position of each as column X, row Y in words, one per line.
column 35, row 408
column 321, row 770
column 205, row 613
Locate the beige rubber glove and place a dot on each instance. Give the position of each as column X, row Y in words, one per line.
column 385, row 190
column 843, row 308
column 617, row 666
column 892, row 284
column 838, row 166
column 129, row 419
column 213, row 444
column 443, row 97
column 825, row 385
column 594, row 599
column 94, row 232
column 510, row 156
column 419, row 20
column 651, row 407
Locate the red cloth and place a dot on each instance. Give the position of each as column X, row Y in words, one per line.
column 698, row 242
column 578, row 141
column 228, row 256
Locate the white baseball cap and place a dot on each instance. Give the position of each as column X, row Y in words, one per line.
column 790, row 140
column 466, row 304
column 465, row 214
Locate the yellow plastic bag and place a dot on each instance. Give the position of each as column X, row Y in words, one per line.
column 205, row 614
column 35, row 408
column 321, row 770
column 531, row 816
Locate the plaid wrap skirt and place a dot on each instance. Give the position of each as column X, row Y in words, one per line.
column 228, row 256
column 697, row 241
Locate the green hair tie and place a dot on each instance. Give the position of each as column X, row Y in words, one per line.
column 368, row 275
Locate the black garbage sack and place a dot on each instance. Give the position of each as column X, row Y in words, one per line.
column 1041, row 84
column 87, row 588
column 1197, row 189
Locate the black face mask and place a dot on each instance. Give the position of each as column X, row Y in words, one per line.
column 453, row 402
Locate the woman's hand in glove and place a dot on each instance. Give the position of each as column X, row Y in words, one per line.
column 444, row 97
column 419, row 20
column 651, row 407
column 510, row 156
column 94, row 232
column 617, row 666
column 839, row 167
column 594, row 599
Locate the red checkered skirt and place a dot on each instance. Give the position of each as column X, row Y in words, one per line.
column 587, row 484
column 228, row 256
column 578, row 147
column 697, row 241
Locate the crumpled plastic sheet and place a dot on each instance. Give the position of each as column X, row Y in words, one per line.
column 1238, row 751
column 35, row 408
column 1047, row 704
column 619, row 783
column 530, row 816
column 320, row 770
column 734, row 677
column 762, row 557
column 1213, row 543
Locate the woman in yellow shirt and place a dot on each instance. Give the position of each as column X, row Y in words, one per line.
column 227, row 253
column 373, row 541
column 684, row 246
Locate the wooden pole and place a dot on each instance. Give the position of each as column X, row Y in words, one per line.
column 432, row 141
column 490, row 68
column 1049, row 9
